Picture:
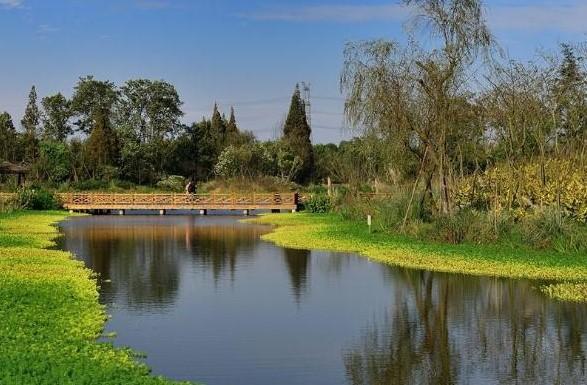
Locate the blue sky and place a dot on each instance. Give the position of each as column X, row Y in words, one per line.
column 248, row 53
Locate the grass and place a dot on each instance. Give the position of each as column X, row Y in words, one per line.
column 562, row 275
column 50, row 317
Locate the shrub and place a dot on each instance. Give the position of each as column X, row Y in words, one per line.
column 37, row 199
column 174, row 183
column 318, row 203
column 528, row 188
column 548, row 230
column 453, row 228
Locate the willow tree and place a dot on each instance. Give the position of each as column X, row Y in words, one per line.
column 413, row 95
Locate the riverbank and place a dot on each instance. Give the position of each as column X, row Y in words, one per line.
column 561, row 276
column 50, row 313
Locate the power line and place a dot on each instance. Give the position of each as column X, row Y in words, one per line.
column 329, row 113
column 336, row 98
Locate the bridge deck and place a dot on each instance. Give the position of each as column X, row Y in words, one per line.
column 106, row 201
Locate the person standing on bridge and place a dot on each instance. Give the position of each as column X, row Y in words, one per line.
column 190, row 189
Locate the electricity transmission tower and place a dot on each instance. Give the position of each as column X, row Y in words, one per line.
column 307, row 103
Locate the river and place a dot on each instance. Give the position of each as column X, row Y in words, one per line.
column 206, row 300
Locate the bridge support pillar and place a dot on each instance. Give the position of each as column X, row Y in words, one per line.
column 203, row 212
column 121, row 212
column 246, row 213
column 162, row 212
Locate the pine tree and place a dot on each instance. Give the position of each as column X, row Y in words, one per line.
column 30, row 123
column 218, row 123
column 297, row 133
column 218, row 129
column 32, row 115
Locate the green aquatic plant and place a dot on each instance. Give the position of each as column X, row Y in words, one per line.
column 566, row 273
column 50, row 314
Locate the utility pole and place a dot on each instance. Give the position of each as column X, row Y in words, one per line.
column 308, row 104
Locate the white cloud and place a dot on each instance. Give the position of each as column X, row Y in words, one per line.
column 569, row 17
column 10, row 3
column 153, row 4
column 45, row 29
column 336, row 13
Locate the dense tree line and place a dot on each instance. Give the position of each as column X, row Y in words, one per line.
column 134, row 133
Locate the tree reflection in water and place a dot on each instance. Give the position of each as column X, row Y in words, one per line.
column 298, row 264
column 445, row 329
column 139, row 260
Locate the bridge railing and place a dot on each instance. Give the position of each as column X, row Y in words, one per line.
column 275, row 200
column 6, row 196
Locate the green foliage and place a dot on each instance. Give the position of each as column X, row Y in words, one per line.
column 56, row 115
column 150, row 109
column 102, row 147
column 318, row 203
column 546, row 230
column 218, row 127
column 297, row 136
column 175, row 183
column 54, row 161
column 246, row 161
column 32, row 115
column 331, row 232
column 8, row 138
column 262, row 184
column 50, row 313
column 560, row 184
column 232, row 130
column 453, row 229
column 92, row 99
column 37, row 199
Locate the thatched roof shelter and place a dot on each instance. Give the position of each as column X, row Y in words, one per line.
column 19, row 170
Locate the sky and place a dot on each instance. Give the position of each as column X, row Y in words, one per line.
column 247, row 54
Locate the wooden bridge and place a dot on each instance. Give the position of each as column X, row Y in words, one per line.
column 97, row 202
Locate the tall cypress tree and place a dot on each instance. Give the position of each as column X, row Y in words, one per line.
column 297, row 133
column 218, row 124
column 232, row 128
column 218, row 130
column 30, row 123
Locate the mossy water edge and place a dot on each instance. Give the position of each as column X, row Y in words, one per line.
column 560, row 276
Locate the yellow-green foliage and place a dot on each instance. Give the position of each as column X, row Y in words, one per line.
column 331, row 232
column 49, row 313
column 568, row 291
column 527, row 187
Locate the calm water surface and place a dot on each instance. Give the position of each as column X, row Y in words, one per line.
column 206, row 300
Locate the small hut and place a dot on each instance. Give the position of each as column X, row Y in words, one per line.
column 7, row 168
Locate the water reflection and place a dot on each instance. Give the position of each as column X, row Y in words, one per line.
column 228, row 308
column 139, row 260
column 297, row 262
column 445, row 329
